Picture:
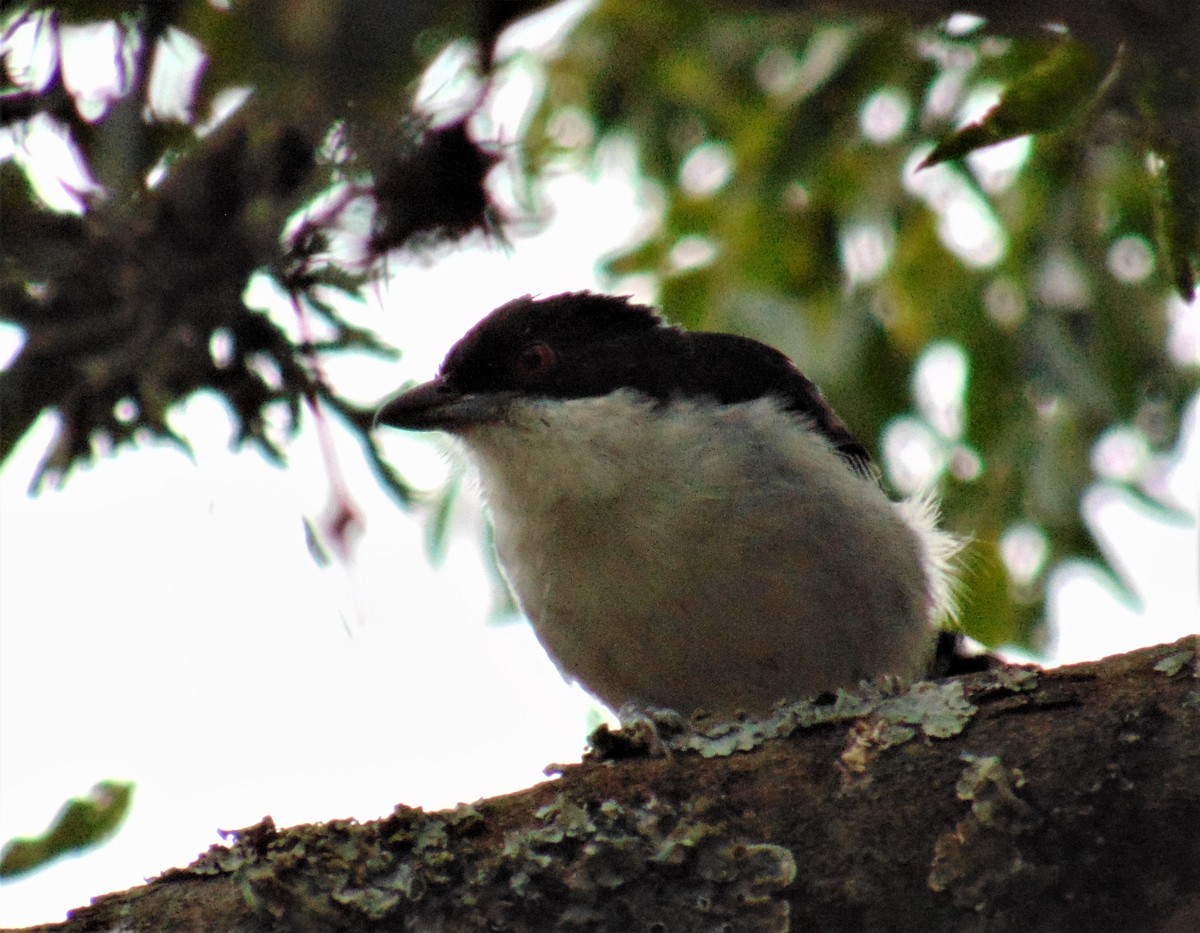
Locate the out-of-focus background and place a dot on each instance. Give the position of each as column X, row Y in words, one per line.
column 219, row 586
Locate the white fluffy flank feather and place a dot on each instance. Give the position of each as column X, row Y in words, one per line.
column 941, row 554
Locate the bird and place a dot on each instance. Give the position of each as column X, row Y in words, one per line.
column 681, row 516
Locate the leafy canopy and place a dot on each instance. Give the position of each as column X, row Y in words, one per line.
column 831, row 186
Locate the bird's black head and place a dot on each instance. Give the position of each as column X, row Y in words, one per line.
column 572, row 345
column 581, row 345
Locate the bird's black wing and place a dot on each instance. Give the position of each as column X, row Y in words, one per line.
column 806, row 400
column 738, row 369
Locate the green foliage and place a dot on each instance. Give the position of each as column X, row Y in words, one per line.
column 132, row 299
column 787, row 150
column 1179, row 206
column 82, row 822
column 814, row 228
column 1042, row 100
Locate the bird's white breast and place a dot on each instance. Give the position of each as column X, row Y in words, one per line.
column 694, row 555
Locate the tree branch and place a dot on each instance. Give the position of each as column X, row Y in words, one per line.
column 1009, row 800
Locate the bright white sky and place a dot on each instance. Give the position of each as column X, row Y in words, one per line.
column 161, row 621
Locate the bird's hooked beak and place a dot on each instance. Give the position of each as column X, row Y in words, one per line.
column 439, row 406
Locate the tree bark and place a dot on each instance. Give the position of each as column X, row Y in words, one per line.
column 1009, row 800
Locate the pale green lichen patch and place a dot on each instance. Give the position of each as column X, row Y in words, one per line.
column 935, row 710
column 1174, row 661
column 980, row 859
column 1014, row 679
column 938, row 710
column 864, row 740
column 725, row 737
column 698, row 876
column 991, row 789
column 597, row 866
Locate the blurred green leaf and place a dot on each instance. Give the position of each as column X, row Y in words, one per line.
column 437, row 524
column 1178, row 205
column 82, row 822
column 1043, row 99
column 998, row 613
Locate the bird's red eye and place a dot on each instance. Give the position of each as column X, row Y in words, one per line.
column 534, row 360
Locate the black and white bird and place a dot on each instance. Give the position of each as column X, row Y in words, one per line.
column 682, row 517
